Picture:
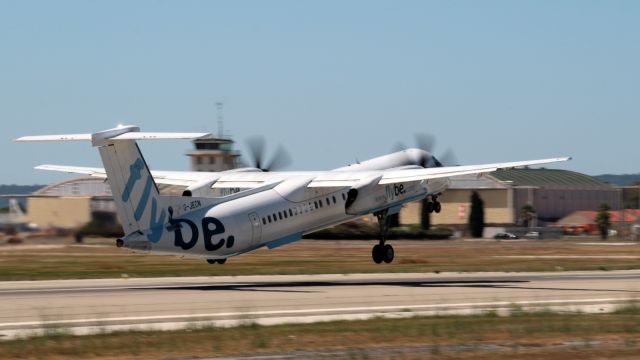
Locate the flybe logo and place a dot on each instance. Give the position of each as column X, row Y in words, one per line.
column 156, row 220
column 211, row 227
column 394, row 191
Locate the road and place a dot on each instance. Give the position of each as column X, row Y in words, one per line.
column 90, row 306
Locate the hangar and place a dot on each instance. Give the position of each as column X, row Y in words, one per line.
column 552, row 193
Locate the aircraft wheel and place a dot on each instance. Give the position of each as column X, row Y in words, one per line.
column 212, row 261
column 388, row 253
column 437, row 207
column 221, row 261
column 376, row 254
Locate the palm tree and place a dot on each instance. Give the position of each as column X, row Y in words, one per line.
column 476, row 216
column 603, row 221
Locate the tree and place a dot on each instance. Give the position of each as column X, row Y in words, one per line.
column 526, row 214
column 476, row 216
column 603, row 220
column 425, row 216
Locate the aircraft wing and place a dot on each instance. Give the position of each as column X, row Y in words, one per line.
column 225, row 179
column 346, row 178
column 91, row 171
column 449, row 171
column 182, row 178
column 335, row 179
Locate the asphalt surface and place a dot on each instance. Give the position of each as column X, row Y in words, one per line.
column 91, row 306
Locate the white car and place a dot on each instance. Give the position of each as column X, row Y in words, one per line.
column 533, row 235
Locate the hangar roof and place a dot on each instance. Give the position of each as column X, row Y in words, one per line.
column 92, row 187
column 549, row 178
column 80, row 186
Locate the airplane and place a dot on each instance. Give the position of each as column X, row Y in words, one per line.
column 264, row 209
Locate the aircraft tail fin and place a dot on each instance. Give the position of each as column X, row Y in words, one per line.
column 134, row 191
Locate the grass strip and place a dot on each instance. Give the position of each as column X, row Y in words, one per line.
column 541, row 334
column 318, row 257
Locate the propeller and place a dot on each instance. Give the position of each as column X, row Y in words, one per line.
column 427, row 143
column 280, row 159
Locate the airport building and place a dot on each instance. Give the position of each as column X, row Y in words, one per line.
column 213, row 154
column 552, row 193
column 69, row 203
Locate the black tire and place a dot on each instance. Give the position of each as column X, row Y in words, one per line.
column 376, row 254
column 437, row 207
column 212, row 261
column 221, row 261
column 387, row 253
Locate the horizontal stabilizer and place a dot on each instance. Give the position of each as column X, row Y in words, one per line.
column 159, row 136
column 65, row 137
column 125, row 136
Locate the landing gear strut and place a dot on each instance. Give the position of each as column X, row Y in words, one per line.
column 381, row 251
column 434, row 205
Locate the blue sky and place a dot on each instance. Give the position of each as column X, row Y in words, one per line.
column 332, row 81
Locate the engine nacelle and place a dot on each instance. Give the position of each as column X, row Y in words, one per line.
column 200, row 189
column 364, row 196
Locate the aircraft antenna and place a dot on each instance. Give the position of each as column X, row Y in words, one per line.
column 220, row 118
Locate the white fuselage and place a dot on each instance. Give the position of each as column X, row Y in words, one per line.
column 216, row 228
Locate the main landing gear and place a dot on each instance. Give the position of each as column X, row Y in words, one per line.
column 434, row 205
column 381, row 251
column 217, row 261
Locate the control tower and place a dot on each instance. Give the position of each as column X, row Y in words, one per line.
column 213, row 154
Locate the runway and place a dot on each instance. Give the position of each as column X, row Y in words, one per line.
column 91, row 306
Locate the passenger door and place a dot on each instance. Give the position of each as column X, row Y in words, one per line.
column 256, row 228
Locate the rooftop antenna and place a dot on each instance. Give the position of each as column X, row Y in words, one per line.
column 220, row 118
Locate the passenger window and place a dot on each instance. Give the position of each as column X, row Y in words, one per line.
column 290, row 212
column 275, row 218
column 269, row 217
column 315, row 204
column 279, row 215
column 334, row 198
column 284, row 213
column 343, row 197
column 264, row 221
column 328, row 202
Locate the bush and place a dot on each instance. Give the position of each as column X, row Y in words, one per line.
column 103, row 224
